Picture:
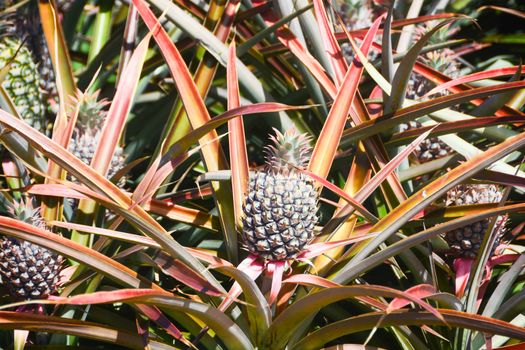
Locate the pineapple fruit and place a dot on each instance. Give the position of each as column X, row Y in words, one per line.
column 20, row 35
column 28, row 270
column 466, row 241
column 280, row 210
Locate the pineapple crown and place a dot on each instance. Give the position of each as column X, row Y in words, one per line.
column 91, row 112
column 26, row 212
column 289, row 151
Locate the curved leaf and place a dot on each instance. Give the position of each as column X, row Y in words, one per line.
column 290, row 319
column 369, row 321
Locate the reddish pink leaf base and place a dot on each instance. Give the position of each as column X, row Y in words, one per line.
column 250, row 266
column 420, row 291
column 462, row 267
column 275, row 271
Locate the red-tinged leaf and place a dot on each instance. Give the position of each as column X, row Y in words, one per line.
column 119, row 109
column 226, row 329
column 328, row 141
column 419, row 291
column 59, row 53
column 182, row 273
column 462, row 267
column 290, row 41
column 275, row 272
column 358, row 206
column 188, row 92
column 455, row 127
column 201, row 192
column 379, row 125
column 371, row 185
column 501, row 178
column 208, row 258
column 183, row 214
column 12, row 174
column 365, row 322
column 335, row 54
column 290, row 319
column 166, row 209
column 518, row 346
column 117, row 235
column 488, row 74
column 237, row 141
column 503, row 259
column 316, row 249
column 147, row 187
column 503, row 9
column 42, row 323
column 439, row 78
column 250, row 266
column 154, row 314
column 311, row 280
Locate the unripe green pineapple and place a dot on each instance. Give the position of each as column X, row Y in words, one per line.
column 281, row 205
column 466, row 241
column 88, row 130
column 28, row 270
column 22, row 81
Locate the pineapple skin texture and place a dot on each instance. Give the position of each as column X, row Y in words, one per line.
column 28, row 270
column 466, row 241
column 22, row 82
column 279, row 214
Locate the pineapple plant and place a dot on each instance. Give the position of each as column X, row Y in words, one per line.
column 29, row 76
column 89, row 128
column 466, row 241
column 418, row 86
column 281, row 205
column 28, row 270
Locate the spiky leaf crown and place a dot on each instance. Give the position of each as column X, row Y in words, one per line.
column 289, row 151
column 91, row 111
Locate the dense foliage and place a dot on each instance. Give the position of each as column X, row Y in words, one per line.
column 259, row 174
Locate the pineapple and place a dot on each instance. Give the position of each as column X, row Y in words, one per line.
column 28, row 270
column 281, row 205
column 466, row 241
column 20, row 37
column 443, row 61
column 431, row 148
column 87, row 132
column 356, row 14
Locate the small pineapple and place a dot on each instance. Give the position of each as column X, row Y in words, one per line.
column 88, row 130
column 23, row 79
column 356, row 14
column 281, row 205
column 28, row 270
column 431, row 148
column 466, row 241
column 418, row 86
